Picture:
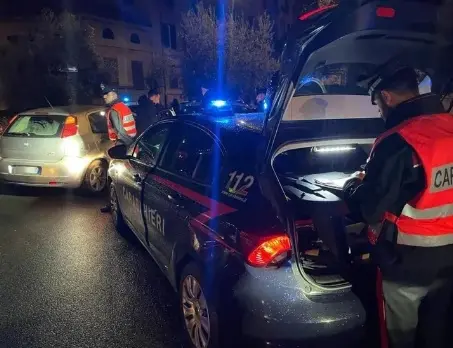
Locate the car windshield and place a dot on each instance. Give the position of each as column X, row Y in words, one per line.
column 345, row 158
column 45, row 126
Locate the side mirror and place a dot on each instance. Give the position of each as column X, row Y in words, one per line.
column 118, row 152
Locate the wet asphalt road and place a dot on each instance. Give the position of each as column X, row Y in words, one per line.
column 67, row 279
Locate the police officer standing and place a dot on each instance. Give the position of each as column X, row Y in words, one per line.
column 120, row 122
column 407, row 196
column 260, row 99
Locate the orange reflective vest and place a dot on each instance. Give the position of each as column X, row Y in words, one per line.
column 126, row 118
column 427, row 220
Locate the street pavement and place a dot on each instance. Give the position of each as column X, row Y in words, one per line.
column 67, row 279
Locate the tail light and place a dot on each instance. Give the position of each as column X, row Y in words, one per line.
column 265, row 251
column 385, row 12
column 315, row 12
column 70, row 127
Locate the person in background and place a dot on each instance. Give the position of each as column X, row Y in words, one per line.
column 154, row 97
column 120, row 122
column 148, row 110
column 406, row 197
column 260, row 99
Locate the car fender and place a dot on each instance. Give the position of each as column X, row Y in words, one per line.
column 207, row 252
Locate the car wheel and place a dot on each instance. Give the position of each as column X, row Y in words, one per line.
column 198, row 309
column 96, row 177
column 117, row 216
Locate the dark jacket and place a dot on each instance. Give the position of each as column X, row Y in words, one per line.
column 147, row 115
column 391, row 179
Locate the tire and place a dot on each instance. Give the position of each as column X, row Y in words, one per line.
column 95, row 181
column 198, row 309
column 117, row 216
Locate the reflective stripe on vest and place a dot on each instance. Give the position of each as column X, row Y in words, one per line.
column 427, row 221
column 129, row 125
column 436, row 238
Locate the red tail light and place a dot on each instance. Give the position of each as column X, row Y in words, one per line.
column 314, row 12
column 386, row 12
column 70, row 127
column 265, row 251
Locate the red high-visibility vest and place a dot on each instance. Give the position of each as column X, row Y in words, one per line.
column 427, row 220
column 126, row 118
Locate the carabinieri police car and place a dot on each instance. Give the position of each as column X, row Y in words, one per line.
column 247, row 221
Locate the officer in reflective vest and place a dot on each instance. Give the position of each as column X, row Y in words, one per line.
column 120, row 122
column 407, row 196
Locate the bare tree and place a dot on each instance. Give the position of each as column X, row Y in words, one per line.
column 322, row 3
column 229, row 48
column 160, row 72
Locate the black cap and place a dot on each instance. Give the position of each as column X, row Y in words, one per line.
column 385, row 75
column 261, row 90
column 106, row 89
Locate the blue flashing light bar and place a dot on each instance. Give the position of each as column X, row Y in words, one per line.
column 126, row 99
column 219, row 103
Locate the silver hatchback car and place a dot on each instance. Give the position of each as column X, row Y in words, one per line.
column 56, row 147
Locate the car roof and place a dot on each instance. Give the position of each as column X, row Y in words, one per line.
column 74, row 110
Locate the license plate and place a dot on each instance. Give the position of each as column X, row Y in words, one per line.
column 22, row 170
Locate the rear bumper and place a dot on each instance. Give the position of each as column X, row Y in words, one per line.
column 68, row 172
column 277, row 310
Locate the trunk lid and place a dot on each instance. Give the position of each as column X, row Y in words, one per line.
column 325, row 58
column 34, row 137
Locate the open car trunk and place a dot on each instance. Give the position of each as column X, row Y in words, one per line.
column 330, row 242
column 321, row 123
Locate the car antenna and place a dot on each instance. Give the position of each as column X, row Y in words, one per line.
column 48, row 102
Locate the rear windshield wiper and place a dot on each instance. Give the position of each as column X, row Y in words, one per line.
column 19, row 134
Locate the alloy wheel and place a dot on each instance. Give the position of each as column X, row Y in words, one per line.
column 98, row 178
column 195, row 311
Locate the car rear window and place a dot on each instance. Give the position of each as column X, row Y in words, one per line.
column 98, row 122
column 41, row 126
column 344, row 79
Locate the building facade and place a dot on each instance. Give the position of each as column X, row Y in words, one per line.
column 138, row 40
column 135, row 40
